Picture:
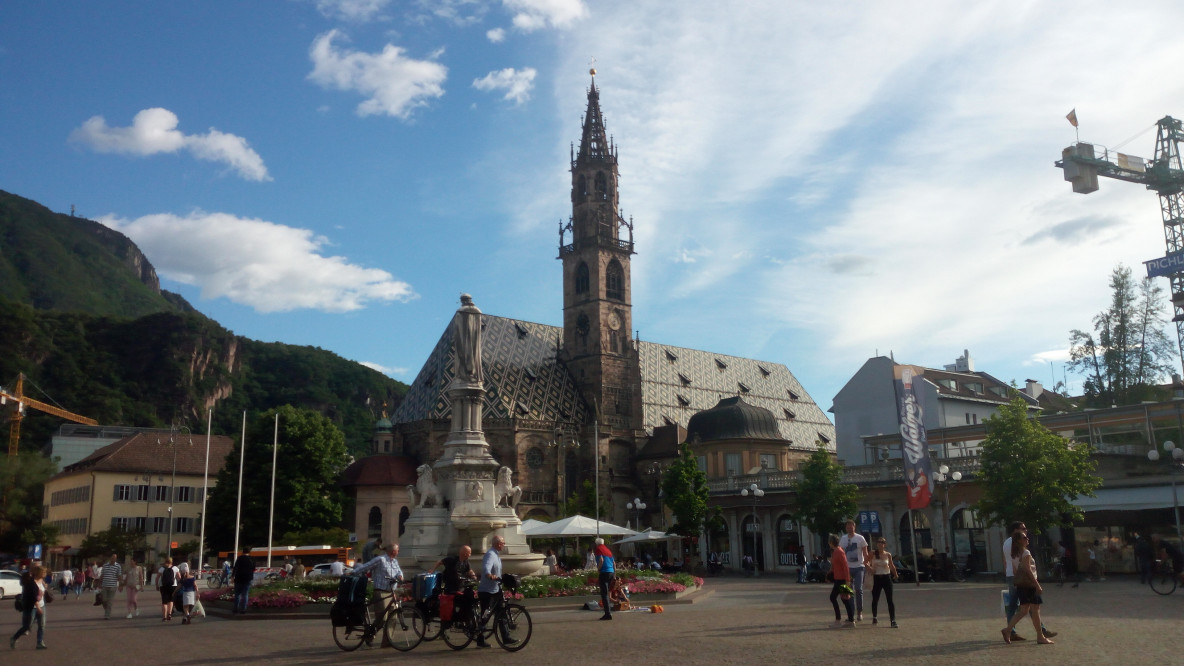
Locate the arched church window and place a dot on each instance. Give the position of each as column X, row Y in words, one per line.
column 601, row 185
column 614, row 281
column 582, row 278
column 374, row 523
column 404, row 514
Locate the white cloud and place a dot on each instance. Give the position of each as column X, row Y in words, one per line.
column 390, row 372
column 530, row 15
column 1046, row 357
column 155, row 131
column 394, row 84
column 516, row 83
column 267, row 266
column 496, row 35
column 358, row 11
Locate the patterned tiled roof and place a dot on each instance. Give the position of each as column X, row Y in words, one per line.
column 677, row 382
column 523, row 379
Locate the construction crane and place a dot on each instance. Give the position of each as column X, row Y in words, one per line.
column 1164, row 175
column 18, row 413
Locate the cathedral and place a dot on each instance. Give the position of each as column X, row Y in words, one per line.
column 557, row 397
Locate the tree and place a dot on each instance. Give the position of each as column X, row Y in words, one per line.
column 22, row 480
column 1128, row 351
column 311, row 457
column 821, row 500
column 583, row 502
column 1030, row 473
column 114, row 540
column 685, row 488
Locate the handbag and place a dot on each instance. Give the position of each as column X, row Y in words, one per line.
column 1023, row 573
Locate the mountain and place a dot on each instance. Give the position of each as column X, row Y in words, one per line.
column 82, row 315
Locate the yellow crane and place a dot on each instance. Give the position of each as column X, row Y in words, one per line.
column 18, row 413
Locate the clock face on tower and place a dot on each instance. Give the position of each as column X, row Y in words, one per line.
column 614, row 322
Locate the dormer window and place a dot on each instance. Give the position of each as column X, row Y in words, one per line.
column 686, row 381
column 789, row 414
column 823, row 438
column 974, row 387
column 765, row 372
column 670, row 356
column 530, row 374
column 666, row 420
column 720, row 364
column 683, row 401
column 792, row 395
column 743, row 387
column 522, row 408
column 521, row 330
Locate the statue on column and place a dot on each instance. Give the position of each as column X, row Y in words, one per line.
column 466, row 333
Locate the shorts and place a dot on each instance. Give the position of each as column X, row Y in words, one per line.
column 166, row 594
column 1028, row 595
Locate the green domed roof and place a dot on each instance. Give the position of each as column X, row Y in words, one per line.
column 732, row 418
column 383, row 425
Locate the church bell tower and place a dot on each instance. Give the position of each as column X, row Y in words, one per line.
column 597, row 308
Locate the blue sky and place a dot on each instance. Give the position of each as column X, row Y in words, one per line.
column 811, row 183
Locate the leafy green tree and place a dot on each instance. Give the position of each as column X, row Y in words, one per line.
column 311, row 457
column 1128, row 351
column 821, row 500
column 685, row 488
column 114, row 540
column 583, row 502
column 22, row 479
column 1030, row 473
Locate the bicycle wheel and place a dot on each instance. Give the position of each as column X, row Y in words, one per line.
column 432, row 626
column 518, row 628
column 214, row 582
column 350, row 638
column 1163, row 581
column 404, row 628
column 457, row 634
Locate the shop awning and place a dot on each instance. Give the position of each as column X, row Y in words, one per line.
column 1129, row 499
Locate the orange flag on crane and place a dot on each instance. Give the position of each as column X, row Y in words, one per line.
column 1072, row 117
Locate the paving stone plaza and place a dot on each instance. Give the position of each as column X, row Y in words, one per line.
column 732, row 621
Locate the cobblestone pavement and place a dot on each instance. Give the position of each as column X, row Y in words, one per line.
column 734, row 621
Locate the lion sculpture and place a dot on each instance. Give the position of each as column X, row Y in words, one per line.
column 425, row 488
column 504, row 491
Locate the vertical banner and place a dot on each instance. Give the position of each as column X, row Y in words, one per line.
column 918, row 470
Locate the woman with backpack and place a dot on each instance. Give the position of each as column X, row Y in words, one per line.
column 166, row 582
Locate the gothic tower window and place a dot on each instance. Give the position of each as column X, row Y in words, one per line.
column 601, row 185
column 582, row 186
column 614, row 281
column 582, row 278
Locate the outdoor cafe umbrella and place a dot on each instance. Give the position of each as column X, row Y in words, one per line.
column 649, row 536
column 575, row 526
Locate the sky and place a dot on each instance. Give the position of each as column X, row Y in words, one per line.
column 810, row 183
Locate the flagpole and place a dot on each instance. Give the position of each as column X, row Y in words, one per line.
column 205, row 490
column 916, row 551
column 275, row 447
column 242, row 454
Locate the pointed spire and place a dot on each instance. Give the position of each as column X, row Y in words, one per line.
column 594, row 142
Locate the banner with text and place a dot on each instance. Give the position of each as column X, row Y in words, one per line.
column 1164, row 266
column 918, row 470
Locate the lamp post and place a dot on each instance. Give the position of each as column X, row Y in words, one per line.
column 757, row 494
column 946, row 478
column 655, row 470
column 1177, row 461
column 636, row 506
column 565, row 438
column 173, row 432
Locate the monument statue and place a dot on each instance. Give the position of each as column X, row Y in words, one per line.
column 466, row 330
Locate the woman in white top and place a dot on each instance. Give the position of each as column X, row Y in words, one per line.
column 133, row 580
column 883, row 573
column 1027, row 587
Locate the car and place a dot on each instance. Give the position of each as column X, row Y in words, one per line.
column 322, row 570
column 10, row 584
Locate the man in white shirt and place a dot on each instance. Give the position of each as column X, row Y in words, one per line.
column 387, row 574
column 1009, row 575
column 337, row 568
column 857, row 556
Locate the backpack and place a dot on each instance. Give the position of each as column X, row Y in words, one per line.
column 168, row 578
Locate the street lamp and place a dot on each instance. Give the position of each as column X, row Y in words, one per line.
column 636, row 506
column 565, row 438
column 656, row 470
column 1177, row 461
column 947, row 478
column 757, row 494
column 173, row 484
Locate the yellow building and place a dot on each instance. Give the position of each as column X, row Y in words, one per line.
column 148, row 482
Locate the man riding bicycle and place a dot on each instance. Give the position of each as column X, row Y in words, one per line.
column 1168, row 551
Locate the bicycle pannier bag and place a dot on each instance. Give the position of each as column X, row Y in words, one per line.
column 446, row 602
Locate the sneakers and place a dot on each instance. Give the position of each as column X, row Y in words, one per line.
column 129, row 616
column 859, row 618
column 42, row 646
column 606, row 617
column 875, row 621
column 848, row 625
column 894, row 625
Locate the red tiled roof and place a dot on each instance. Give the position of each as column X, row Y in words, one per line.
column 151, row 452
column 380, row 470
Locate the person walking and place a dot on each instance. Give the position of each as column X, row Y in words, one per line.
column 33, row 606
column 188, row 592
column 244, row 575
column 489, row 590
column 110, row 578
column 1013, row 602
column 1144, row 558
column 1028, row 588
column 387, row 575
column 606, row 565
column 1095, row 562
column 166, row 582
column 857, row 557
column 840, row 573
column 883, row 573
column 64, row 583
column 133, row 582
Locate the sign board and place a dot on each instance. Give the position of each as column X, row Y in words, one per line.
column 869, row 521
column 35, row 551
column 174, row 545
column 1164, row 266
column 353, row 537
